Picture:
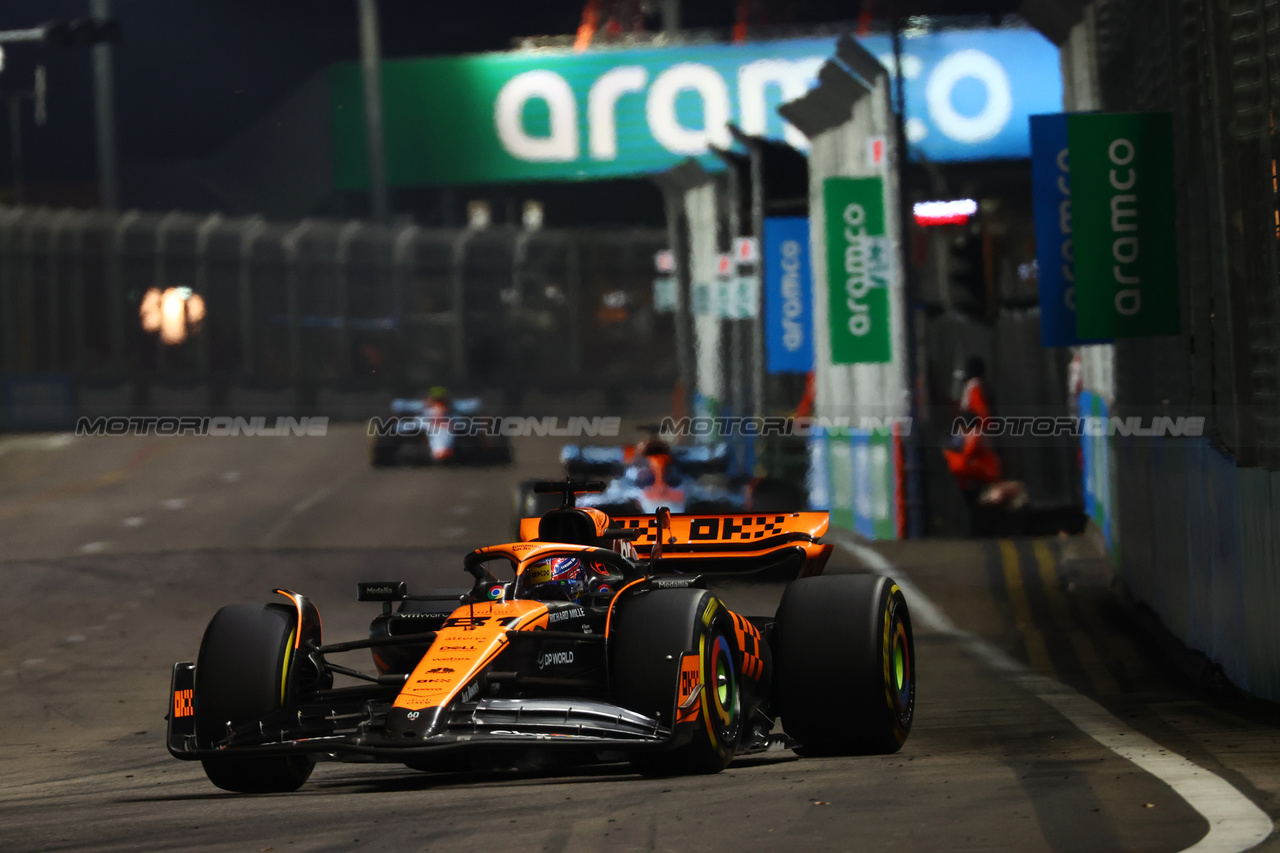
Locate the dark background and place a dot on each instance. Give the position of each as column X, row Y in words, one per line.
column 191, row 74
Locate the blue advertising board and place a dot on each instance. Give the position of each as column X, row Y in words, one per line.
column 1096, row 460
column 31, row 402
column 1051, row 203
column 788, row 295
column 969, row 92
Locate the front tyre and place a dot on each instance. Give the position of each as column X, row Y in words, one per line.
column 243, row 672
column 651, row 636
column 844, row 664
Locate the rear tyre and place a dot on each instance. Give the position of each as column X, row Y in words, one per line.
column 243, row 672
column 844, row 664
column 651, row 634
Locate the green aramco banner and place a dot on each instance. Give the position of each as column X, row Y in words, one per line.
column 1124, row 224
column 564, row 115
column 859, row 269
column 561, row 115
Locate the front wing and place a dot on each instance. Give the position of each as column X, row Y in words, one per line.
column 353, row 731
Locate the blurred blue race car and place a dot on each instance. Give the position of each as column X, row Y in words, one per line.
column 642, row 477
column 437, row 430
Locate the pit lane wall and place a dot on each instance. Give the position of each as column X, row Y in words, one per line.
column 855, row 472
column 1192, row 525
column 1195, row 537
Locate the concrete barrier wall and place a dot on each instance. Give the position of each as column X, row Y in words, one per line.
column 1197, row 539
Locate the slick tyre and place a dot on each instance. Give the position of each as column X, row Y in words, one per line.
column 242, row 673
column 651, row 634
column 844, row 665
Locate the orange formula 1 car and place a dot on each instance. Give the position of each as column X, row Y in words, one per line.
column 594, row 637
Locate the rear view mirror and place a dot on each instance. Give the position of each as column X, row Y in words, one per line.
column 382, row 591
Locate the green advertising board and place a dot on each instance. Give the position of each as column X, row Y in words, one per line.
column 860, row 266
column 1124, row 224
column 551, row 114
column 564, row 115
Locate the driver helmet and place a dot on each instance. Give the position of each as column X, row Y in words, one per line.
column 557, row 578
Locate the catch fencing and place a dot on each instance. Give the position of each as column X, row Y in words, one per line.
column 1216, row 68
column 1192, row 524
column 330, row 304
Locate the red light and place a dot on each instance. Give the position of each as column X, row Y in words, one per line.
column 944, row 212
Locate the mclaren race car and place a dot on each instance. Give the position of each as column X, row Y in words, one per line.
column 436, row 430
column 592, row 638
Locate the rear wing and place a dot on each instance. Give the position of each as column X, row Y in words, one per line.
column 728, row 543
column 413, row 406
column 596, row 460
column 592, row 460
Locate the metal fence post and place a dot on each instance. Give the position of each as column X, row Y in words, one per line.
column 76, row 296
column 34, row 219
column 159, row 276
column 371, row 77
column 250, row 231
column 292, row 262
column 203, row 234
column 401, row 269
column 7, row 317
column 105, row 113
column 459, row 353
column 573, row 272
column 403, row 263
column 737, row 391
column 60, row 220
column 519, row 255
column 115, row 290
column 342, row 257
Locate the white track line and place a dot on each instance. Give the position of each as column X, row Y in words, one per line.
column 36, row 442
column 1235, row 823
column 297, row 510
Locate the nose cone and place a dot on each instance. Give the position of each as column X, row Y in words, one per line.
column 409, row 726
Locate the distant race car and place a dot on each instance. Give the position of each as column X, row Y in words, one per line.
column 654, row 473
column 591, row 639
column 438, row 431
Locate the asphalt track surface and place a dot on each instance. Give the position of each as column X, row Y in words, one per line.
column 114, row 553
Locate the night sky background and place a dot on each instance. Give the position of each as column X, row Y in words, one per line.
column 191, row 74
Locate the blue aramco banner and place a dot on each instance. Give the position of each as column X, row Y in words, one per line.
column 1055, row 246
column 788, row 295
column 567, row 115
column 1051, row 201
